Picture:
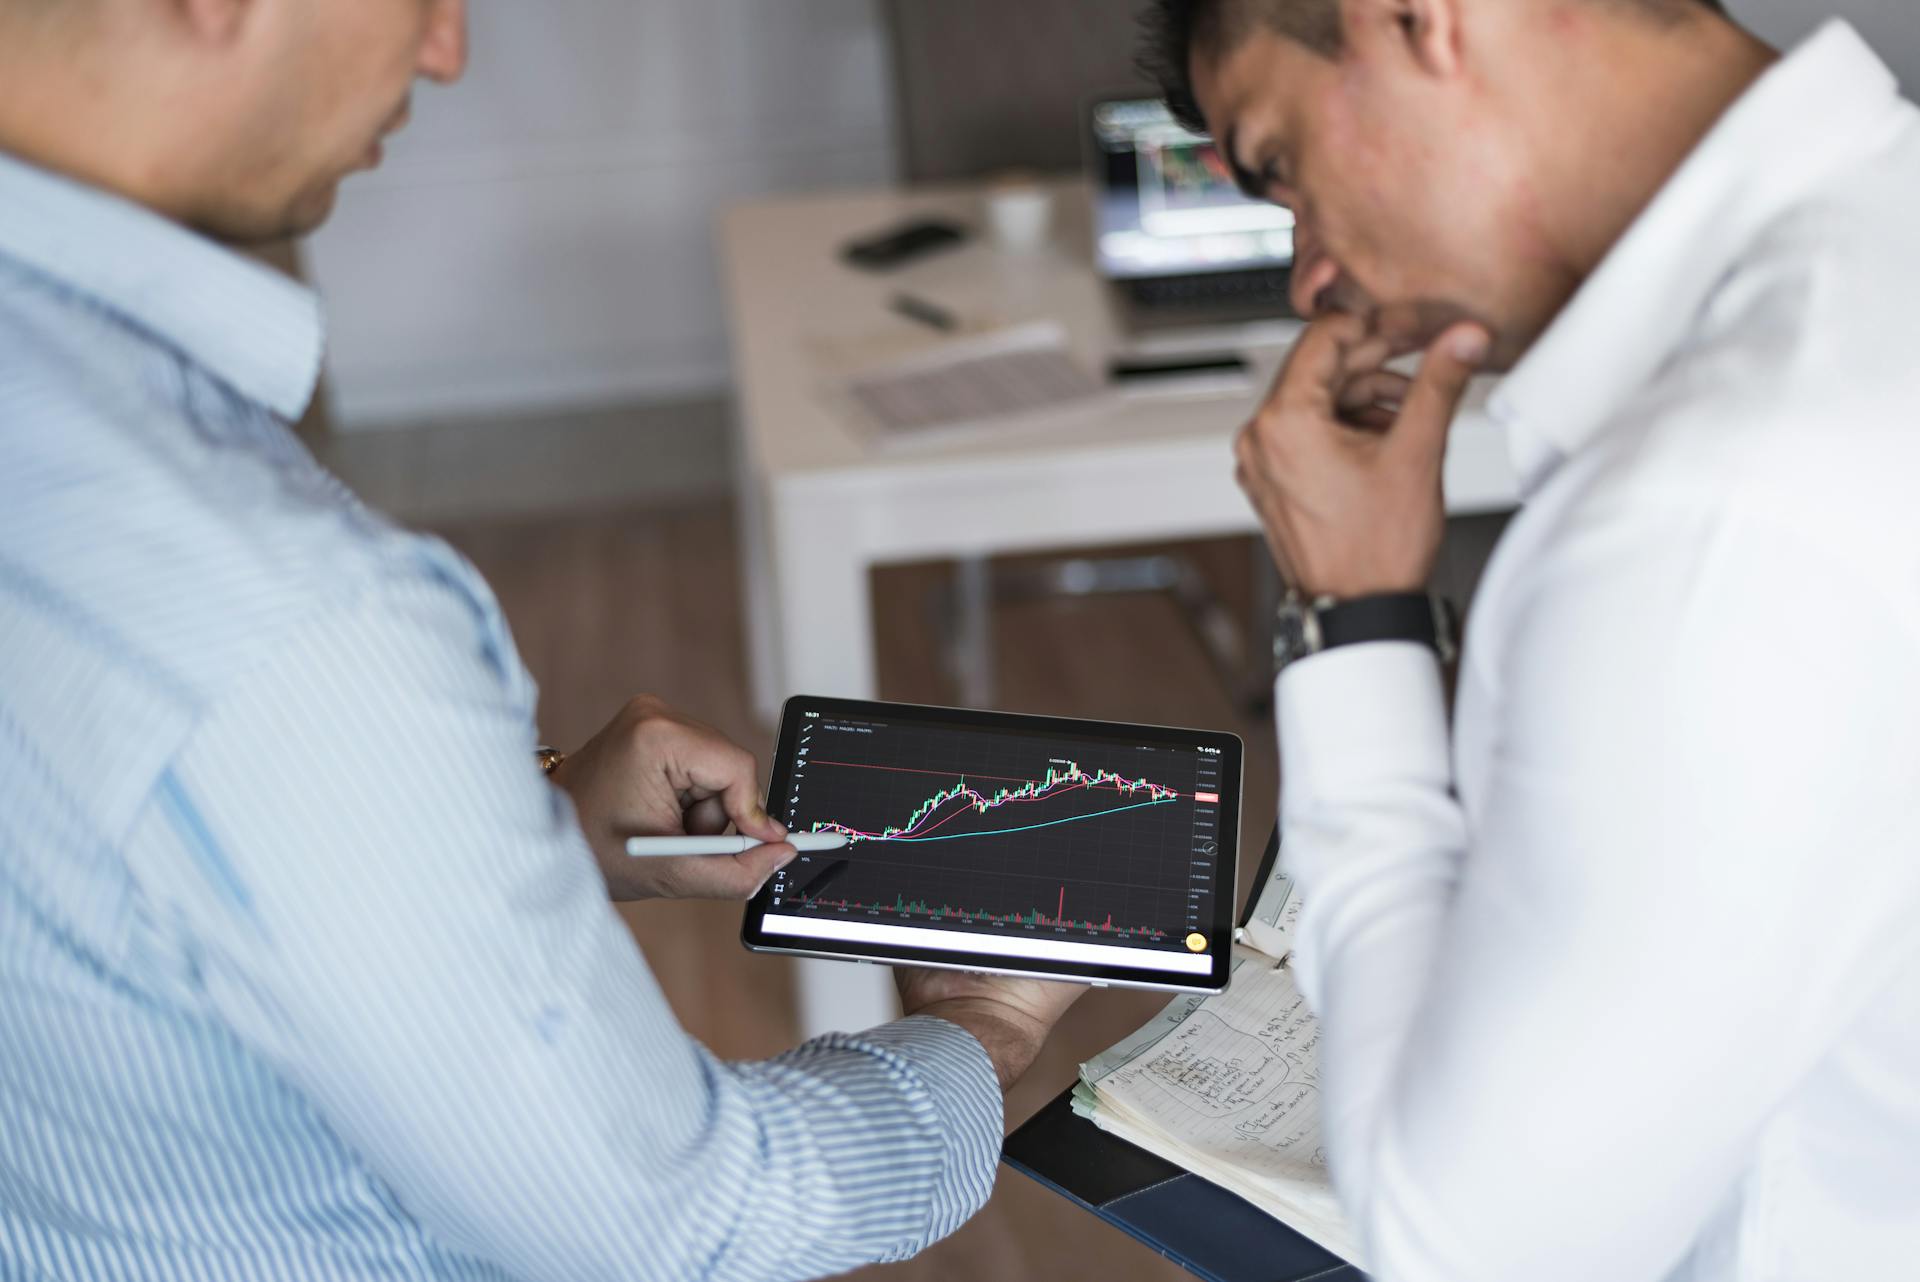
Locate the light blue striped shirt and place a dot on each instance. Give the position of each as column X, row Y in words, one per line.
column 305, row 971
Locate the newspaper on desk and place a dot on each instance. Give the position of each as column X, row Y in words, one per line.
column 1228, row 1086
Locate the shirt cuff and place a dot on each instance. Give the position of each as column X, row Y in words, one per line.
column 1353, row 717
column 958, row 1079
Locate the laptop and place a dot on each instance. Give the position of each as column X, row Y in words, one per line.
column 1177, row 241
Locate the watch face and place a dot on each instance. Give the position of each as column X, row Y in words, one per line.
column 1290, row 635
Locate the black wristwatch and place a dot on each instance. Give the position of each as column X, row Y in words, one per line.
column 1308, row 625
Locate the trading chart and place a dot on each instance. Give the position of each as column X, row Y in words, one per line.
column 1184, row 174
column 1005, row 833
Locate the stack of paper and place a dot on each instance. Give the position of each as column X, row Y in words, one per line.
column 1228, row 1086
column 1015, row 376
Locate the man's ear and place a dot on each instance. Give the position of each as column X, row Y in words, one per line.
column 216, row 20
column 1428, row 31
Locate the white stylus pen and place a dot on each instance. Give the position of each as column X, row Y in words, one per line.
column 647, row 847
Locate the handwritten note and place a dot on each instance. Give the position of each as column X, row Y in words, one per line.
column 1276, row 911
column 1228, row 1086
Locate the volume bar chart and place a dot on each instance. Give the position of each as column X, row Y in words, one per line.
column 921, row 910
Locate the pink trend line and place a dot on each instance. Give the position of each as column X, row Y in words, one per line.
column 952, row 774
column 1049, row 796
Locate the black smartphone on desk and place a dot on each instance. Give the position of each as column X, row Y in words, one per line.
column 1123, row 369
column 898, row 246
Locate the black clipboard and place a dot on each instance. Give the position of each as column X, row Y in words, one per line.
column 1202, row 1227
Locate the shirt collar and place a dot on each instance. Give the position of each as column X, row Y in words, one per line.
column 248, row 326
column 1824, row 107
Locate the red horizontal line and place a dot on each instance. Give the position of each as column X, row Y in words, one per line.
column 944, row 774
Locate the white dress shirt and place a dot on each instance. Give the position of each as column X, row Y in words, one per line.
column 1622, row 981
column 306, row 972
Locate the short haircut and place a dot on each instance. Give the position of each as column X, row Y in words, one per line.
column 1173, row 29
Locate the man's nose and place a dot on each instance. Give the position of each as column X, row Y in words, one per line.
column 443, row 49
column 1314, row 273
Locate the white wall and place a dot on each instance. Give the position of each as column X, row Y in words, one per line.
column 540, row 234
column 1892, row 27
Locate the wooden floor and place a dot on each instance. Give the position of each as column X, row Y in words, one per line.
column 608, row 606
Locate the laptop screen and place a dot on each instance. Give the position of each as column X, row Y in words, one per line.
column 1166, row 205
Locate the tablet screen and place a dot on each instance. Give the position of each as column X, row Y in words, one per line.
column 1001, row 842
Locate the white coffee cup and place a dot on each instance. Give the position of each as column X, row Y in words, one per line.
column 1019, row 214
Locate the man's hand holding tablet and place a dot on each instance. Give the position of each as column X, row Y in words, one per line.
column 945, row 842
column 656, row 792
column 1009, row 1016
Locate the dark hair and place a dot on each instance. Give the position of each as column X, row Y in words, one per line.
column 1173, row 29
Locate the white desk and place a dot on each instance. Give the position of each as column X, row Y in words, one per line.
column 821, row 504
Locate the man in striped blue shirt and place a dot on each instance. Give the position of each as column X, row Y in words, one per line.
column 305, row 969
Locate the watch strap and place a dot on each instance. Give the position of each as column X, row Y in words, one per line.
column 1424, row 617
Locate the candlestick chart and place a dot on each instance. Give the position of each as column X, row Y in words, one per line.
column 966, row 830
column 937, row 811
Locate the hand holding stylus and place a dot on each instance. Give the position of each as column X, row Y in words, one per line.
column 658, row 847
column 655, row 773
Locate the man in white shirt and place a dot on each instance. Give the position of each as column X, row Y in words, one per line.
column 1620, row 981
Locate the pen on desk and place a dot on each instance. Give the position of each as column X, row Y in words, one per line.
column 655, row 847
column 929, row 314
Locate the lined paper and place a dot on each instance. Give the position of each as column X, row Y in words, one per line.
column 1228, row 1086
